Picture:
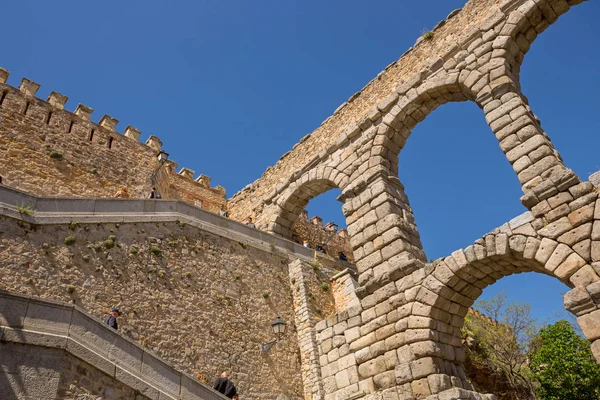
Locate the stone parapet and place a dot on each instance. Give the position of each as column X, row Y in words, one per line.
column 45, row 323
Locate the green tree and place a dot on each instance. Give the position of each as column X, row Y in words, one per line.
column 564, row 365
column 498, row 342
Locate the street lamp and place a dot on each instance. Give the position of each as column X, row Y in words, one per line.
column 278, row 326
column 163, row 156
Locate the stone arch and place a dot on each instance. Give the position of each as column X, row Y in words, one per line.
column 525, row 21
column 409, row 104
column 294, row 198
column 454, row 283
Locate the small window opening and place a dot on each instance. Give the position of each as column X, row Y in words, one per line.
column 92, row 135
column 2, row 98
column 110, row 142
column 26, row 108
column 49, row 118
column 71, row 126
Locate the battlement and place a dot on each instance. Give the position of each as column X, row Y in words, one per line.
column 23, row 99
column 77, row 141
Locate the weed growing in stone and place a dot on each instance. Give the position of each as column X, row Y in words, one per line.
column 428, row 35
column 155, row 251
column 237, row 277
column 56, row 155
column 266, row 295
column 70, row 240
column 71, row 289
column 133, row 250
column 109, row 243
column 85, row 257
column 324, row 286
column 25, row 209
column 73, row 225
column 86, row 228
column 244, row 245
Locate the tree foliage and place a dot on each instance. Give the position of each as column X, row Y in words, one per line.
column 498, row 344
column 564, row 365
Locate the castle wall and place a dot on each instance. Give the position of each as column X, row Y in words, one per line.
column 50, row 151
column 333, row 243
column 202, row 302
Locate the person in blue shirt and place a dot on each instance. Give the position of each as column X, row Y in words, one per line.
column 111, row 320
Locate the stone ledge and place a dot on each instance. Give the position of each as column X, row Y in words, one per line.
column 61, row 210
column 29, row 320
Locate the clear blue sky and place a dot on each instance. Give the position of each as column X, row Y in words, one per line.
column 229, row 86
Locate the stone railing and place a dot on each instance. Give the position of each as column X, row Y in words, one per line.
column 50, row 324
column 59, row 210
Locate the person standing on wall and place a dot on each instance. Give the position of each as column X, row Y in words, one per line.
column 224, row 386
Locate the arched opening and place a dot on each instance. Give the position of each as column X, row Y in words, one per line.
column 457, row 179
column 458, row 281
column 319, row 225
column 323, row 225
column 567, row 107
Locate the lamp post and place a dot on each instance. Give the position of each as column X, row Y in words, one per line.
column 279, row 327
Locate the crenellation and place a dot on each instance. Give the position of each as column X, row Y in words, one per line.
column 28, row 87
column 84, row 112
column 57, row 100
column 4, row 73
column 108, row 122
column 132, row 133
column 154, row 143
column 203, row 180
column 187, row 173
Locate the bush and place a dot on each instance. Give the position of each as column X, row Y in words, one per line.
column 70, row 240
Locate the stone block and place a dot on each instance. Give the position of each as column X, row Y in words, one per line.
column 569, row 266
column 577, row 234
column 584, row 276
column 424, row 367
column 156, row 371
column 372, row 368
column 384, row 380
column 556, row 228
column 590, row 325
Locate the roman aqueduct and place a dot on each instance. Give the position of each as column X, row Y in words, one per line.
column 405, row 337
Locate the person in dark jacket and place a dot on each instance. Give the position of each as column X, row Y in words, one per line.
column 225, row 386
column 111, row 320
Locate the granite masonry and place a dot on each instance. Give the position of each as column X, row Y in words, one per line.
column 389, row 329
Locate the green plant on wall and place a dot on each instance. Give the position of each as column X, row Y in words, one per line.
column 25, row 209
column 56, row 155
column 70, row 240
